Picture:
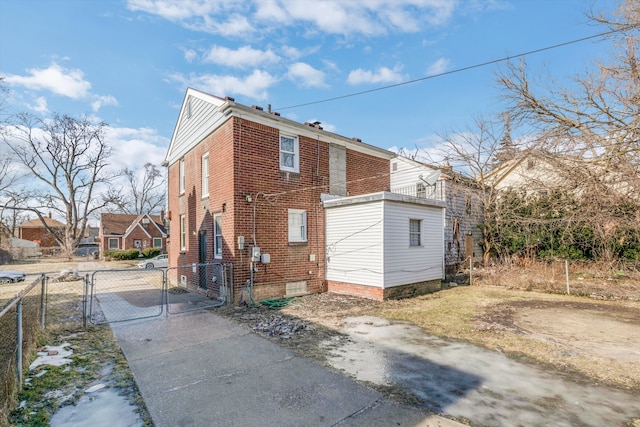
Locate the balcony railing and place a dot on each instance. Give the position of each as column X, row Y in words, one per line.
column 422, row 191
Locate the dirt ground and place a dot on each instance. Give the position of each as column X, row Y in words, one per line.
column 594, row 340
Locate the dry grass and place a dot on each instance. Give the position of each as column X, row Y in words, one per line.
column 97, row 356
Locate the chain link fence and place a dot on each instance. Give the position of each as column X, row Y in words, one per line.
column 21, row 319
column 198, row 286
column 122, row 295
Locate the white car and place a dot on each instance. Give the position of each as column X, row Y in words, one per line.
column 155, row 262
column 10, row 276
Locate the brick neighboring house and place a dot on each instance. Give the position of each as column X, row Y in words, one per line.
column 124, row 231
column 36, row 232
column 243, row 180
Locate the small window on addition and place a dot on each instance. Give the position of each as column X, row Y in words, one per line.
column 414, row 232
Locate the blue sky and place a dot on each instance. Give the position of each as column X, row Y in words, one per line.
column 129, row 62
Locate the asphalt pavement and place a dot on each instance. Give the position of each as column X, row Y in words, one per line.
column 201, row 369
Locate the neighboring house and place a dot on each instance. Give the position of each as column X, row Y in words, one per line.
column 35, row 231
column 464, row 209
column 247, row 186
column 124, row 231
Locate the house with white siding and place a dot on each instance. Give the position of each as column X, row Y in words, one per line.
column 463, row 206
column 384, row 245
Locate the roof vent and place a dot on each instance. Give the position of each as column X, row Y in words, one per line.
column 257, row 107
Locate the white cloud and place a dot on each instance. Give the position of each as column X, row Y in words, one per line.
column 243, row 57
column 245, row 18
column 59, row 80
column 438, row 67
column 101, row 101
column 253, row 86
column 190, row 55
column 306, row 75
column 40, row 105
column 134, row 147
column 382, row 75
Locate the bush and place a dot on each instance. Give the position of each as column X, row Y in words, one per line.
column 122, row 254
column 150, row 252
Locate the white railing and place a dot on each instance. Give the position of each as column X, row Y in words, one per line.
column 422, row 191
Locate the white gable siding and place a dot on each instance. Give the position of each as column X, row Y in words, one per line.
column 407, row 172
column 354, row 236
column 406, row 264
column 198, row 118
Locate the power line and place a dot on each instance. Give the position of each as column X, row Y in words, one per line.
column 458, row 70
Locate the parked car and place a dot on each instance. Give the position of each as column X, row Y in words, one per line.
column 155, row 262
column 10, row 276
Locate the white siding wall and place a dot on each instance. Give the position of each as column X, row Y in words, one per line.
column 355, row 244
column 406, row 173
column 406, row 264
column 195, row 123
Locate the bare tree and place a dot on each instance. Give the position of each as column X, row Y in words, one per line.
column 144, row 191
column 594, row 120
column 474, row 153
column 67, row 159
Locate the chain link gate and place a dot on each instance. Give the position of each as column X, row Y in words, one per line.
column 198, row 286
column 122, row 295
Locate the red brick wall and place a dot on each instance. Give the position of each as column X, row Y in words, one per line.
column 244, row 160
column 40, row 235
column 366, row 174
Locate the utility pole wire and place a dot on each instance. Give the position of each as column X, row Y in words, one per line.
column 458, row 70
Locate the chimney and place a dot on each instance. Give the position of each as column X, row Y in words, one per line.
column 257, row 107
column 356, row 139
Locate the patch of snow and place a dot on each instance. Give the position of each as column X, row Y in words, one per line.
column 103, row 409
column 53, row 355
column 95, row 388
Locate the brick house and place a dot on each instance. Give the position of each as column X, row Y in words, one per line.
column 124, row 231
column 36, row 232
column 247, row 187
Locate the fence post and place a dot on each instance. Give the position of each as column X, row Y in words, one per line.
column 43, row 305
column 85, row 299
column 19, row 343
column 566, row 273
column 470, row 270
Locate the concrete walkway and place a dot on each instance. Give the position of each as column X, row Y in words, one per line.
column 200, row 369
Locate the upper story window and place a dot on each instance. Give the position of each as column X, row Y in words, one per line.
column 182, row 178
column 289, row 154
column 205, row 175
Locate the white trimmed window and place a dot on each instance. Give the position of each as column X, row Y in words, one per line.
column 182, row 177
column 205, row 175
column 183, row 232
column 114, row 243
column 297, row 225
column 217, row 235
column 157, row 242
column 414, row 232
column 289, row 153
